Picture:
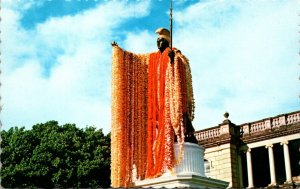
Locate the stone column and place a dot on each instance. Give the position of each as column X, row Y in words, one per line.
column 272, row 164
column 249, row 168
column 287, row 162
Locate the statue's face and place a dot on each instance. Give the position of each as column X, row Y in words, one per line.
column 162, row 44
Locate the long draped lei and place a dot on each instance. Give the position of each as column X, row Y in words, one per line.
column 148, row 102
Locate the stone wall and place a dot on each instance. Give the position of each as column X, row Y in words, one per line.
column 223, row 163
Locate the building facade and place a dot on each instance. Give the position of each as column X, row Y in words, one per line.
column 264, row 153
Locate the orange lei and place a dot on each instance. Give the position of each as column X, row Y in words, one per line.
column 156, row 129
column 129, row 115
column 146, row 113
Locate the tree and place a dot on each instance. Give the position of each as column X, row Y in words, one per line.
column 50, row 156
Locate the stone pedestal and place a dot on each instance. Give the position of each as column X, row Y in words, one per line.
column 189, row 173
column 193, row 160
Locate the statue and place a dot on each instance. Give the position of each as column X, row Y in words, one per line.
column 152, row 107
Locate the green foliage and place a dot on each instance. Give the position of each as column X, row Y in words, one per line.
column 50, row 155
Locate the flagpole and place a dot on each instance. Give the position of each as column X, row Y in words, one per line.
column 171, row 24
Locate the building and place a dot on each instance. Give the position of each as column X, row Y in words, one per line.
column 264, row 153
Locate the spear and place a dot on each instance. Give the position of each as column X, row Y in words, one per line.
column 171, row 24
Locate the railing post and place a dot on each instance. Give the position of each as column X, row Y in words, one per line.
column 224, row 130
column 268, row 124
column 246, row 129
column 282, row 120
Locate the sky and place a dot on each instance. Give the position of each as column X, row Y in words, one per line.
column 56, row 57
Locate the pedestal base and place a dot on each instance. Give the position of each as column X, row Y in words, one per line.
column 187, row 181
column 188, row 174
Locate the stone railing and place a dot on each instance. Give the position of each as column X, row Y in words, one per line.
column 293, row 118
column 271, row 123
column 207, row 134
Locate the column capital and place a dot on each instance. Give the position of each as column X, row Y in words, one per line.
column 269, row 146
column 246, row 150
column 243, row 148
column 284, row 142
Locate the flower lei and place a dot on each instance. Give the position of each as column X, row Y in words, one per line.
column 133, row 139
column 128, row 132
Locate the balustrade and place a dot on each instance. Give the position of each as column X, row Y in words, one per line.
column 293, row 118
column 254, row 127
column 275, row 122
column 212, row 133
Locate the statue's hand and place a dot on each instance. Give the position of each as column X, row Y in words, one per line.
column 114, row 43
column 171, row 54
